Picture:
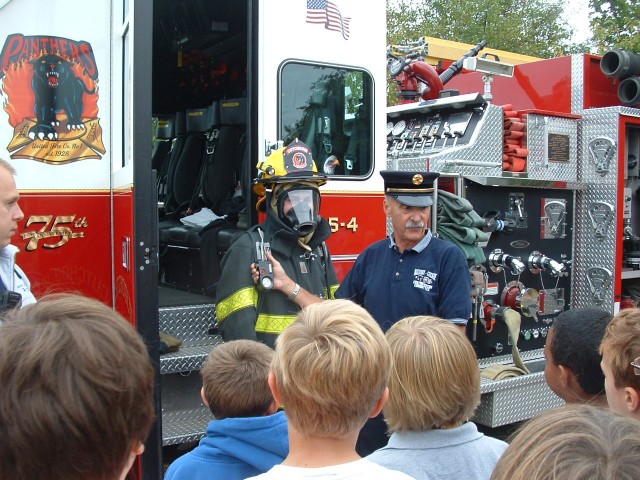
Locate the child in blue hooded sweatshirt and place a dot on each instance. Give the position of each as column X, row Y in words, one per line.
column 248, row 435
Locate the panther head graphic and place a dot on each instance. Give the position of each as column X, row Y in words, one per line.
column 56, row 89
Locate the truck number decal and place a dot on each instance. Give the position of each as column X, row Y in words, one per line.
column 335, row 224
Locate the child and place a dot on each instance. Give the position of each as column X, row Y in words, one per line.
column 435, row 389
column 573, row 442
column 573, row 362
column 620, row 351
column 247, row 436
column 76, row 395
column 330, row 372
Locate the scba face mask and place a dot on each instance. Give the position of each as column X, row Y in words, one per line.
column 298, row 208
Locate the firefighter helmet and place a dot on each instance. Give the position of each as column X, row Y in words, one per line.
column 290, row 164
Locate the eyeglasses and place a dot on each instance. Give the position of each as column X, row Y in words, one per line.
column 636, row 366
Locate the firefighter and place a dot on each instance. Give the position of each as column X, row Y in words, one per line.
column 282, row 265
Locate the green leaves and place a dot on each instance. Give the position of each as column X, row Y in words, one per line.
column 616, row 23
column 533, row 27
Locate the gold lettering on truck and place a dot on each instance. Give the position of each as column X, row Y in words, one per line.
column 59, row 227
column 335, row 224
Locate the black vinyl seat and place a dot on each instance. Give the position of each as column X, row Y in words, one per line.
column 165, row 134
column 218, row 188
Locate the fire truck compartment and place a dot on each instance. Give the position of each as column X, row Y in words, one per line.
column 515, row 399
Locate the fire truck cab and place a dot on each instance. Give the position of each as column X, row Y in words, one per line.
column 123, row 118
column 135, row 128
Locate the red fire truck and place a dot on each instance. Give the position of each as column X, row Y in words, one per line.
column 163, row 109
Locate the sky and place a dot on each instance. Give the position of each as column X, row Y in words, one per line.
column 577, row 15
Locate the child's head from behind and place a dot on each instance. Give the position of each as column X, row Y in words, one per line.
column 572, row 369
column 621, row 347
column 435, row 379
column 573, row 442
column 234, row 379
column 331, row 368
column 76, row 399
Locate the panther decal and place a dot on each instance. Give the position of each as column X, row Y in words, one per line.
column 56, row 88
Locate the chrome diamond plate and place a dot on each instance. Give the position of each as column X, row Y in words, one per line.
column 538, row 129
column 189, row 323
column 486, row 148
column 516, row 399
column 577, row 84
column 591, row 251
column 189, row 357
column 182, row 426
column 184, row 415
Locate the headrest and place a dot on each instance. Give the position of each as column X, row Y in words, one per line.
column 233, row 111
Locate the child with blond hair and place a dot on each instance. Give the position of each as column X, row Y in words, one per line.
column 620, row 364
column 573, row 442
column 330, row 372
column 434, row 392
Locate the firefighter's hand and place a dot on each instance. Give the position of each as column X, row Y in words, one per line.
column 255, row 274
column 286, row 285
column 281, row 280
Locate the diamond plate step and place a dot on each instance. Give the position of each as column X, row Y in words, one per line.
column 189, row 357
column 183, row 426
column 191, row 324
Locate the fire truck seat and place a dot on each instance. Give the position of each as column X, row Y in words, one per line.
column 180, row 130
column 184, row 167
column 165, row 133
column 219, row 190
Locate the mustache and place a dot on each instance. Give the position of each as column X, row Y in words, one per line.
column 411, row 224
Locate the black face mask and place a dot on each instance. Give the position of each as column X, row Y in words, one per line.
column 298, row 208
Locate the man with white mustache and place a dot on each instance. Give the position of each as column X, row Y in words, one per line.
column 411, row 272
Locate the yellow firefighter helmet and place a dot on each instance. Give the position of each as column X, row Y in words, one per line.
column 291, row 164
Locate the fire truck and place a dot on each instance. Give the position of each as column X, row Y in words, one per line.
column 135, row 128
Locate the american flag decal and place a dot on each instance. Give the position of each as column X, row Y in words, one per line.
column 327, row 13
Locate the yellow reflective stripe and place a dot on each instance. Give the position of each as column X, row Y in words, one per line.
column 247, row 297
column 332, row 291
column 273, row 323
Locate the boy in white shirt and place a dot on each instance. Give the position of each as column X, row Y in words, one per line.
column 330, row 372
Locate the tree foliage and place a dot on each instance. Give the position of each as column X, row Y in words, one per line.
column 615, row 24
column 534, row 27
